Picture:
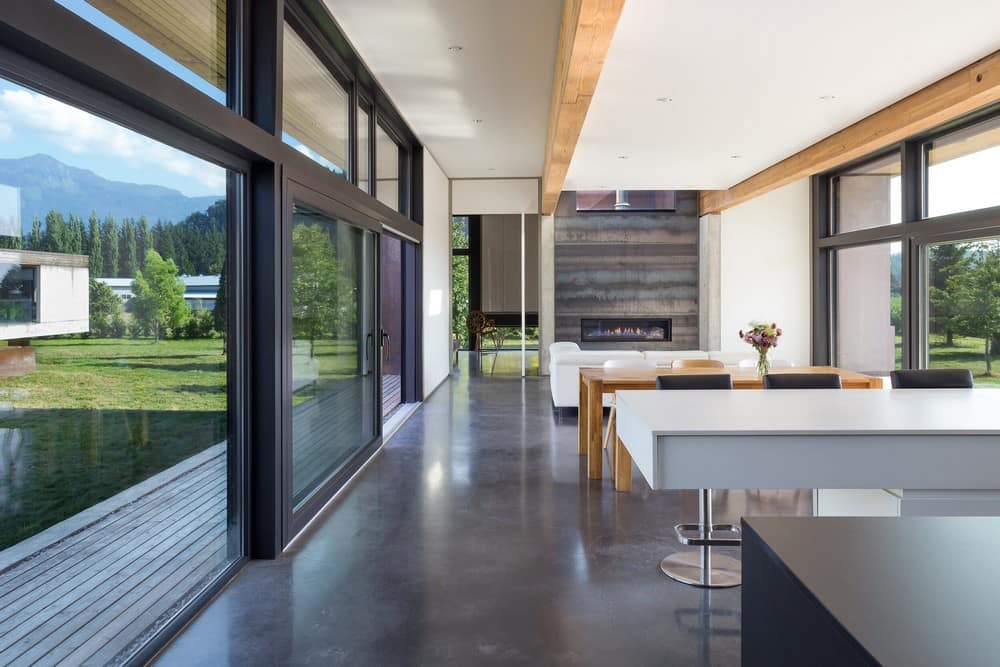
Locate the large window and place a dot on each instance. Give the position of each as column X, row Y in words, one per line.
column 387, row 160
column 316, row 106
column 908, row 261
column 118, row 497
column 963, row 287
column 187, row 37
column 963, row 171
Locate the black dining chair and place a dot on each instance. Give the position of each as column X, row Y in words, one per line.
column 703, row 568
column 706, row 381
column 802, row 381
column 932, row 378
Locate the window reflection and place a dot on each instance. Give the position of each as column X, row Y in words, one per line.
column 963, row 170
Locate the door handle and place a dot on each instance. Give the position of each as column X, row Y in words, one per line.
column 386, row 342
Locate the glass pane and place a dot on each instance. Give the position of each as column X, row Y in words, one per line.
column 964, row 170
column 460, row 231
column 114, row 442
column 868, row 196
column 387, row 168
column 391, row 284
column 364, row 151
column 869, row 310
column 460, row 298
column 186, row 38
column 963, row 289
column 315, row 108
column 333, row 347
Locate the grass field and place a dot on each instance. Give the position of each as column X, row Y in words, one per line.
column 965, row 353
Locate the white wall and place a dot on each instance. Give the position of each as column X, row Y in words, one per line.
column 486, row 196
column 63, row 304
column 436, row 276
column 765, row 264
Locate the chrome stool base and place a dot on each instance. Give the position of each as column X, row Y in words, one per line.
column 686, row 567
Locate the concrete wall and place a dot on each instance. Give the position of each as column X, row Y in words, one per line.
column 436, row 276
column 633, row 264
column 63, row 304
column 766, row 272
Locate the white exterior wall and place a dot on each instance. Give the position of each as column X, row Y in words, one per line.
column 436, row 276
column 63, row 304
column 766, row 270
column 488, row 196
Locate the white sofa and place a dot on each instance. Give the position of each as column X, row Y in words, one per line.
column 566, row 359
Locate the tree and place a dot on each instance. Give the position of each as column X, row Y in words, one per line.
column 105, row 310
column 95, row 248
column 74, row 235
column 56, row 233
column 143, row 242
column 128, row 261
column 158, row 301
column 976, row 293
column 315, row 283
column 944, row 261
column 35, row 240
column 109, row 241
column 460, row 281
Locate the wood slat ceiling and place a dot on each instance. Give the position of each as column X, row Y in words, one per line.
column 315, row 106
column 192, row 32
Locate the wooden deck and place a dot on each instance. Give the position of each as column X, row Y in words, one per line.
column 95, row 595
column 392, row 393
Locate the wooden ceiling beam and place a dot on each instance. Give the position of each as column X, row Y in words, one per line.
column 957, row 94
column 584, row 38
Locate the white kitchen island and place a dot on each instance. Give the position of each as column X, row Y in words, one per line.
column 940, row 447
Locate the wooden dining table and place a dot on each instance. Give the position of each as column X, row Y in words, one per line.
column 596, row 382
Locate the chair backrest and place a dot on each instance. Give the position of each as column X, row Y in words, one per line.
column 801, row 381
column 932, row 378
column 629, row 363
column 711, row 381
column 697, row 363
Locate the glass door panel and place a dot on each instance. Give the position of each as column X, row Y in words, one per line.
column 391, row 283
column 333, row 364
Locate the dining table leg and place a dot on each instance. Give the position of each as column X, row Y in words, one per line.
column 582, row 420
column 623, row 466
column 595, row 420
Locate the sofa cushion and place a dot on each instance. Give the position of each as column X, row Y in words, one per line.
column 592, row 357
column 566, row 346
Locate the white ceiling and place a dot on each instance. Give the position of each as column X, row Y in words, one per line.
column 503, row 75
column 745, row 79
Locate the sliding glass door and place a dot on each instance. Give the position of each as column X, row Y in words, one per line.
column 334, row 364
column 391, row 291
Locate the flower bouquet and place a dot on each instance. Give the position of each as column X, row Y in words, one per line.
column 762, row 337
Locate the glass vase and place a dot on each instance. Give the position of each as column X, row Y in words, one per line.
column 763, row 365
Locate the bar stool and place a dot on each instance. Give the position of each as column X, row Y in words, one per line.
column 703, row 568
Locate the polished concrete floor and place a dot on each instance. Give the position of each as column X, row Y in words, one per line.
column 473, row 538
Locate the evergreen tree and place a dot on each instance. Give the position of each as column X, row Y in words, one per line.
column 143, row 241
column 128, row 263
column 56, row 233
column 159, row 296
column 944, row 261
column 11, row 242
column 109, row 241
column 74, row 235
column 977, row 296
column 95, row 247
column 35, row 240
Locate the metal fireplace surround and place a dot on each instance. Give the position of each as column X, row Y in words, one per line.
column 625, row 329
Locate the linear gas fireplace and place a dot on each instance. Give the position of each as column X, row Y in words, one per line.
column 624, row 329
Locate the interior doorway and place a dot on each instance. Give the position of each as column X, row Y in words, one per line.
column 391, row 335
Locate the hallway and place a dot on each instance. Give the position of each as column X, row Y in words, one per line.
column 474, row 538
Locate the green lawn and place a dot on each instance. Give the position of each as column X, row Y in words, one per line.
column 122, row 374
column 965, row 353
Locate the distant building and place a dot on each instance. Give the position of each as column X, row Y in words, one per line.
column 199, row 291
column 43, row 294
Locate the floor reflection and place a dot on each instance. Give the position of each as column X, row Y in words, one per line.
column 474, row 537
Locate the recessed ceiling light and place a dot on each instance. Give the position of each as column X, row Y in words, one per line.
column 664, row 99
column 736, row 157
column 491, row 169
column 623, row 157
column 455, row 48
column 827, row 98
column 477, row 121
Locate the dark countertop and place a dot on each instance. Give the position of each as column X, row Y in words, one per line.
column 911, row 591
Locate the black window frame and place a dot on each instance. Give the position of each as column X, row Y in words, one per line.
column 915, row 233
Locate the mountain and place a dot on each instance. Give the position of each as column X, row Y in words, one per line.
column 46, row 184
